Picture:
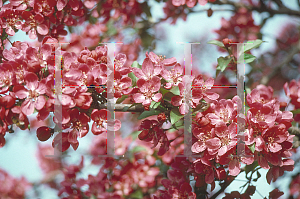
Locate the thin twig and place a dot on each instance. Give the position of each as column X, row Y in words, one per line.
column 120, row 107
column 277, row 68
column 281, row 10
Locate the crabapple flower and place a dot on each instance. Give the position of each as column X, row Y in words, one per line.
column 34, row 94
column 100, row 124
column 79, row 124
column 12, row 20
column 160, row 60
column 173, row 77
column 34, row 24
column 260, row 96
column 224, row 112
column 232, row 158
column 199, row 83
column 148, row 71
column 147, row 89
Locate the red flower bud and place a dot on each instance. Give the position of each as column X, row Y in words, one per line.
column 43, row 133
column 147, row 107
column 161, row 117
column 227, row 42
column 209, row 12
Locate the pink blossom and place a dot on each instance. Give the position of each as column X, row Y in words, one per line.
column 148, row 91
column 34, row 94
column 148, row 71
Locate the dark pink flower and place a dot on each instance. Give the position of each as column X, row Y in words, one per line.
column 148, row 91
column 101, row 122
column 33, row 24
column 148, row 71
column 33, row 94
column 160, row 61
column 173, row 77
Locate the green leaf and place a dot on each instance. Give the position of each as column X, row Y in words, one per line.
column 252, row 147
column 121, row 99
column 175, row 115
column 175, row 90
column 222, row 64
column 297, row 111
column 248, row 58
column 137, row 194
column 154, row 105
column 146, row 9
column 135, row 134
column 146, row 114
column 251, row 167
column 133, row 78
column 138, row 149
column 217, row 43
column 252, row 44
column 135, row 64
column 163, row 91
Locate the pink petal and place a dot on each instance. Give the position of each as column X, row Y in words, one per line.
column 72, row 136
column 147, row 67
column 234, row 167
column 31, row 81
column 138, row 98
column 27, row 107
column 61, row 4
column 157, row 97
column 170, row 61
column 198, row 147
column 211, row 95
column 42, row 29
column 40, row 102
column 32, row 33
column 20, row 91
column 139, row 73
column 176, row 100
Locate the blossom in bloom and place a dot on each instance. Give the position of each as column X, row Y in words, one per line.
column 173, row 77
column 148, row 91
column 79, row 124
column 33, row 94
column 101, row 121
column 233, row 157
column 148, row 71
column 160, row 60
column 34, row 23
column 224, row 112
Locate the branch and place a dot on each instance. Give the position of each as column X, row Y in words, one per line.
column 281, row 10
column 277, row 68
column 120, row 107
column 294, row 131
column 226, row 185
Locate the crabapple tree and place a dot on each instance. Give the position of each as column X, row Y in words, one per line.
column 157, row 129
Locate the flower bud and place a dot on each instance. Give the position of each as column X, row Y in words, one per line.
column 147, row 108
column 227, row 42
column 161, row 117
column 209, row 12
column 43, row 133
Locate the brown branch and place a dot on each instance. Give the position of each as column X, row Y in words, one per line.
column 120, row 107
column 277, row 68
column 225, row 185
column 281, row 10
column 294, row 131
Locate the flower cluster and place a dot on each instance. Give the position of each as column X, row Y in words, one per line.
column 292, row 91
column 12, row 187
column 239, row 28
column 190, row 3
